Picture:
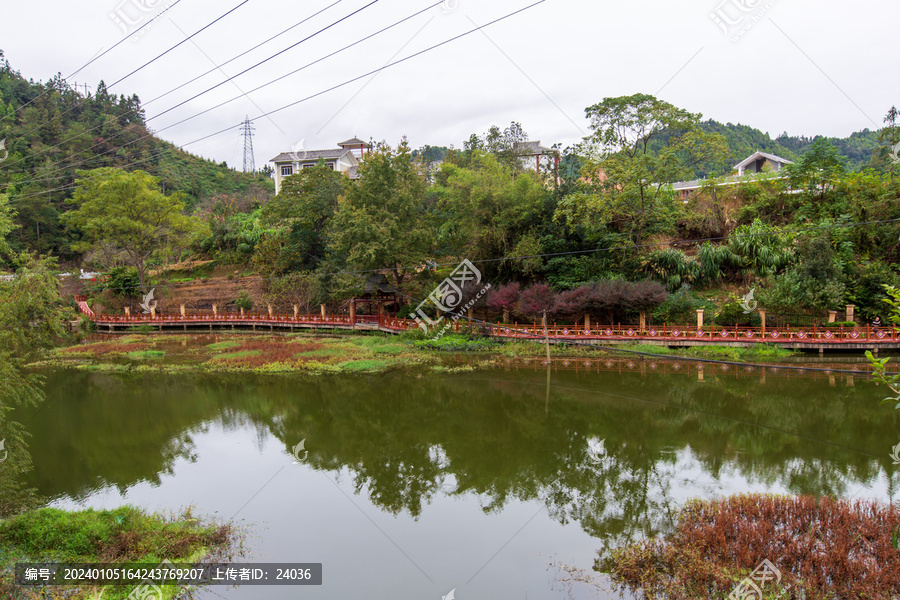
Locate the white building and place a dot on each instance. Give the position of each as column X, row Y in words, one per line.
column 345, row 158
column 756, row 163
column 759, row 162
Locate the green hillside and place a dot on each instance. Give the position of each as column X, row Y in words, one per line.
column 744, row 140
column 51, row 132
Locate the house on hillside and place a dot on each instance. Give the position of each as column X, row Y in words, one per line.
column 760, row 162
column 345, row 158
column 756, row 163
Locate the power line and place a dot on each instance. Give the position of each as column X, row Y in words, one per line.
column 230, row 60
column 427, row 8
column 153, row 60
column 146, row 120
column 99, row 56
column 387, row 66
column 71, row 165
column 307, row 65
column 135, row 32
column 207, row 26
column 279, row 53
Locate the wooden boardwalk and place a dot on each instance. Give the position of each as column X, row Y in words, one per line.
column 796, row 338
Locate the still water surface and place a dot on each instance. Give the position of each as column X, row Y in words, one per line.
column 416, row 483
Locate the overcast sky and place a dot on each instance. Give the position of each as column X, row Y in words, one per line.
column 807, row 67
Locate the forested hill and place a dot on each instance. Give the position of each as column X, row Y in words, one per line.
column 51, row 132
column 743, row 141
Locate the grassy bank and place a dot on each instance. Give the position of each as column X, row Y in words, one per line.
column 123, row 535
column 318, row 353
column 230, row 352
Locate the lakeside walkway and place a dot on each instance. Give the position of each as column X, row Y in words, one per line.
column 819, row 339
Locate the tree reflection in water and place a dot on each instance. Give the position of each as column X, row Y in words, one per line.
column 407, row 437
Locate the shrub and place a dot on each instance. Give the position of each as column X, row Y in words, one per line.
column 458, row 343
column 672, row 267
column 414, row 333
column 714, row 260
column 678, row 309
column 840, row 324
column 537, row 300
column 867, row 283
column 827, row 548
column 121, row 281
column 125, row 533
column 612, row 299
column 573, row 303
column 244, row 301
column 732, row 313
column 408, row 311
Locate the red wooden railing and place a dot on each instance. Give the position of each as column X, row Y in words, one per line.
column 673, row 334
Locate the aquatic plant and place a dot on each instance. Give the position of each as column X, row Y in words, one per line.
column 823, row 548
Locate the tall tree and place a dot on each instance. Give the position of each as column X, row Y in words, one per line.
column 819, row 168
column 31, row 319
column 301, row 213
column 381, row 221
column 486, row 213
column 639, row 146
column 507, row 145
column 890, row 136
column 7, row 225
column 128, row 212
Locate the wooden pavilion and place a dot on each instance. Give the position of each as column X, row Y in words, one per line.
column 380, row 298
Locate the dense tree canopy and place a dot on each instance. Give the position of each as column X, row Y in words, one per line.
column 300, row 215
column 52, row 131
column 612, row 213
column 629, row 173
column 125, row 212
column 381, row 222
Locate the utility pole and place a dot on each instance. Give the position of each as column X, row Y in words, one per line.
column 247, row 131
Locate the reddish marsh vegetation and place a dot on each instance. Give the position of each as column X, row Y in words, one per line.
column 104, row 348
column 827, row 548
column 258, row 353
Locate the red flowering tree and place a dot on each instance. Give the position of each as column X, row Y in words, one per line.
column 612, row 300
column 537, row 301
column 504, row 298
column 573, row 303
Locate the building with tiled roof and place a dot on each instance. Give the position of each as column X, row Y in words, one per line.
column 756, row 163
column 345, row 158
